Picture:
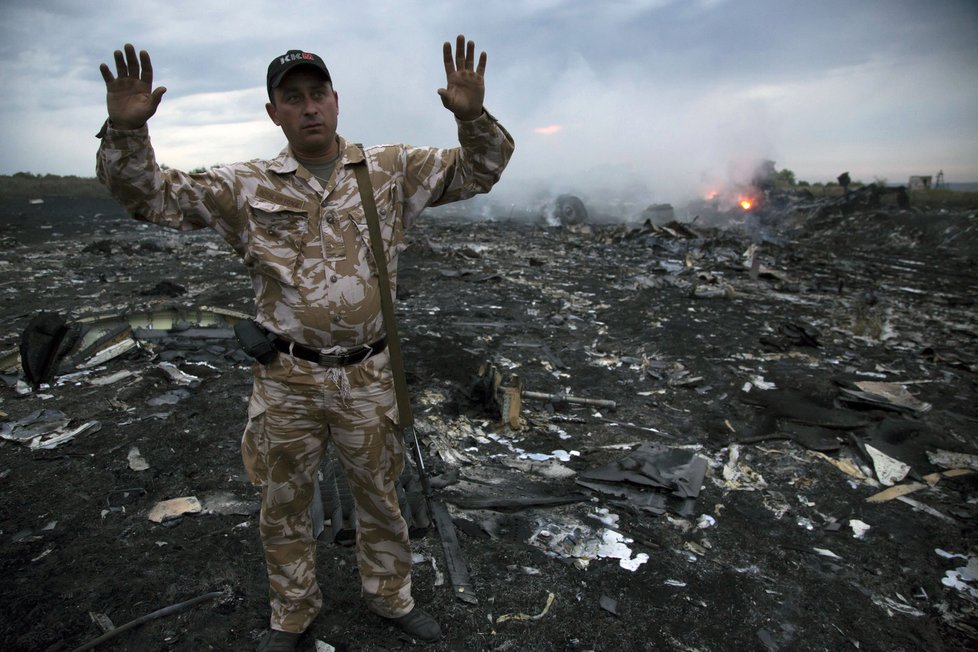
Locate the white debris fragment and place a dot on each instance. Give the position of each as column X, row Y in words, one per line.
column 949, row 460
column 888, row 469
column 859, row 528
column 892, row 606
column 136, row 460
column 705, row 521
column 559, row 454
column 109, row 353
column 676, row 583
column 826, row 553
column 324, row 647
column 178, row 376
column 730, row 468
column 894, row 393
column 607, row 518
column 111, row 378
column 806, row 523
column 613, row 547
column 582, row 544
column 63, row 436
column 963, row 578
column 760, row 383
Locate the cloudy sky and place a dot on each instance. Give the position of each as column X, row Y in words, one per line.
column 660, row 98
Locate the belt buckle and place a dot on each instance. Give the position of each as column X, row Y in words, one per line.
column 352, row 356
column 328, row 359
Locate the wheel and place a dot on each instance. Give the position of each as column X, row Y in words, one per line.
column 569, row 209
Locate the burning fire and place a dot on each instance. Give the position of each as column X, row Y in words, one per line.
column 746, row 203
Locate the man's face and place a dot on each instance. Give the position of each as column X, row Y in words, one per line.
column 306, row 107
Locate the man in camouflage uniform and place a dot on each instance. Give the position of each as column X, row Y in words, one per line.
column 298, row 224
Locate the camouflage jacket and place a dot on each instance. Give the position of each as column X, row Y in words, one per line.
column 306, row 244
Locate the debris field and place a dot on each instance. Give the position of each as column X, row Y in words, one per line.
column 756, row 433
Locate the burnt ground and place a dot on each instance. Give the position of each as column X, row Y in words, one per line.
column 747, row 371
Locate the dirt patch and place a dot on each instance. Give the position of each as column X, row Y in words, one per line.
column 673, row 329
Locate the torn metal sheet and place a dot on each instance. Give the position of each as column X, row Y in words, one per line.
column 35, row 424
column 889, row 470
column 894, row 396
column 63, row 435
column 103, row 337
column 653, row 478
column 949, row 460
column 796, row 406
column 652, row 465
column 178, row 376
column 109, row 353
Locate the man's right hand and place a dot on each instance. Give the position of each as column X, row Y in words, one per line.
column 130, row 96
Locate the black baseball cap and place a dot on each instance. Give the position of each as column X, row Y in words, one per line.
column 286, row 62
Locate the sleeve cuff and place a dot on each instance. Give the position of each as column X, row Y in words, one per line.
column 107, row 130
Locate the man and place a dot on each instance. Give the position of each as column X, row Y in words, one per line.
column 299, row 226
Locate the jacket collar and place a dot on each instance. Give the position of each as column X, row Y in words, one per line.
column 285, row 162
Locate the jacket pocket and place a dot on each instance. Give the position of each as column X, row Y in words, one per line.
column 275, row 237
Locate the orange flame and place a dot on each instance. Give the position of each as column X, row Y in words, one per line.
column 746, row 204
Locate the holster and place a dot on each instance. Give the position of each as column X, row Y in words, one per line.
column 255, row 341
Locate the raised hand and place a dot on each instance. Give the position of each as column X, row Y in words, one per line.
column 130, row 97
column 465, row 89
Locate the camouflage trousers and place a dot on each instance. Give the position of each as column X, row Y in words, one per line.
column 296, row 408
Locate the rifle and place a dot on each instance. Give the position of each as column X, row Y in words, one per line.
column 457, row 571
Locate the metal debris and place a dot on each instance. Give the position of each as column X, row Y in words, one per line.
column 174, row 508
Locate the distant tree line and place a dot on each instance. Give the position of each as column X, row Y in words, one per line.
column 26, row 184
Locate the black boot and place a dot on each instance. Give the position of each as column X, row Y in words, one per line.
column 276, row 641
column 418, row 624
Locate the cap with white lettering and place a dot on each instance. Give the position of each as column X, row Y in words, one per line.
column 286, row 62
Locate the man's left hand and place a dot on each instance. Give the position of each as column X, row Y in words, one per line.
column 466, row 87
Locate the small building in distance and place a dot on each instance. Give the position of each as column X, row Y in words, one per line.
column 919, row 183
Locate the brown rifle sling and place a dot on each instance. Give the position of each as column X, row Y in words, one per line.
column 405, row 416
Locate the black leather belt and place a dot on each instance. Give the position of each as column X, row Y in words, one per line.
column 350, row 356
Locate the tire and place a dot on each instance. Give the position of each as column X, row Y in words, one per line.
column 569, row 209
